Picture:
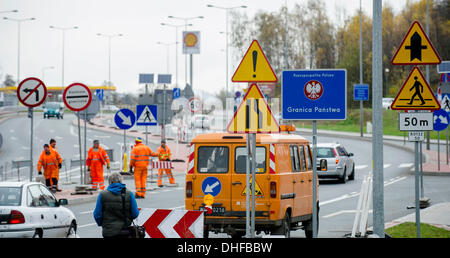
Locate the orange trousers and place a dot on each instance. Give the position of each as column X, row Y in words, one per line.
column 97, row 176
column 140, row 178
column 168, row 173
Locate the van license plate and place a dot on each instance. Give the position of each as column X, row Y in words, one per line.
column 216, row 211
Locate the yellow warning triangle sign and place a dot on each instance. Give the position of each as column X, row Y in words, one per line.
column 253, row 115
column 258, row 191
column 254, row 67
column 416, row 48
column 415, row 94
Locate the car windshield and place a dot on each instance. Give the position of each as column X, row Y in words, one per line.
column 212, row 159
column 53, row 105
column 10, row 196
column 325, row 152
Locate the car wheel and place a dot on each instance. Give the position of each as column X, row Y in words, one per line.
column 37, row 233
column 72, row 232
column 352, row 175
column 285, row 228
column 343, row 179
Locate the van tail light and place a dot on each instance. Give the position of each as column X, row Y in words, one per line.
column 337, row 160
column 189, row 189
column 16, row 217
column 273, row 189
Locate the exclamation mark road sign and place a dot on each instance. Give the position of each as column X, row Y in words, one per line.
column 255, row 57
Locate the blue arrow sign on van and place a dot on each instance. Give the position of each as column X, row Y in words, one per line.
column 211, row 185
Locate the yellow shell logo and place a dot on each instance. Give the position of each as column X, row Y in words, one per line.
column 190, row 39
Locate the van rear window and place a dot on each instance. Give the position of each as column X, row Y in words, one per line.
column 212, row 159
column 240, row 160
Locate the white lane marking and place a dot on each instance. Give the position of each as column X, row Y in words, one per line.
column 405, row 165
column 354, row 194
column 13, row 138
column 87, row 225
column 87, row 212
column 361, row 167
column 341, row 212
column 387, row 165
column 102, row 136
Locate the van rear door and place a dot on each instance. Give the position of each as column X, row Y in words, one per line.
column 239, row 181
column 212, row 176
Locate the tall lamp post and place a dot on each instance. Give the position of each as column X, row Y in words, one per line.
column 19, row 21
column 186, row 19
column 167, row 48
column 109, row 52
column 386, row 75
column 63, row 30
column 176, row 48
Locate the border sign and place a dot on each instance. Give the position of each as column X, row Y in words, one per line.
column 31, row 92
column 314, row 94
column 77, row 97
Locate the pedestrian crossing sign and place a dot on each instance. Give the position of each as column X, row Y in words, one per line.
column 254, row 66
column 253, row 115
column 146, row 115
column 415, row 94
column 416, row 48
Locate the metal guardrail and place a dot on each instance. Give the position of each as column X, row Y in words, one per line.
column 20, row 164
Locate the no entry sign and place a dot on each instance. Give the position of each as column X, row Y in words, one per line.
column 77, row 97
column 31, row 92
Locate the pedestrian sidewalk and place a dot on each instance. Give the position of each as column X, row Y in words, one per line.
column 436, row 215
column 430, row 161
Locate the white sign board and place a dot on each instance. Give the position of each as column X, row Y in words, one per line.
column 416, row 136
column 77, row 97
column 415, row 121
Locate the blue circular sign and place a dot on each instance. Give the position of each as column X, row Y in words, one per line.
column 124, row 119
column 441, row 120
column 211, row 185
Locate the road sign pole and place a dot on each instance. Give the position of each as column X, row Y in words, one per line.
column 253, row 168
column 247, row 191
column 79, row 145
column 416, row 161
column 31, row 144
column 84, row 159
column 146, row 135
column 439, row 152
column 446, row 148
column 314, row 197
column 422, row 192
column 377, row 116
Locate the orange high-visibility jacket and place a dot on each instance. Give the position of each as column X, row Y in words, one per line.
column 140, row 155
column 48, row 162
column 97, row 155
column 164, row 154
column 55, row 150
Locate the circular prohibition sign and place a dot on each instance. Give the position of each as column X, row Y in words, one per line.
column 77, row 97
column 31, row 86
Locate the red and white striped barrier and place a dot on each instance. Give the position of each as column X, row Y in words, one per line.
column 167, row 223
column 162, row 164
column 272, row 159
column 190, row 169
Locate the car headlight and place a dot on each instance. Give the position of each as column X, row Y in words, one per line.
column 45, row 110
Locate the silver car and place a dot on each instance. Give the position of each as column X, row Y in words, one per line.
column 340, row 163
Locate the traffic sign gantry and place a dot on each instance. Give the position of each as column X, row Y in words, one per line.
column 77, row 97
column 415, row 94
column 254, row 67
column 416, row 48
column 253, row 115
column 31, row 92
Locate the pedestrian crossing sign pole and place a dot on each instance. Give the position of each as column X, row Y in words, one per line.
column 416, row 95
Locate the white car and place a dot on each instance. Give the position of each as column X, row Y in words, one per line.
column 31, row 210
column 386, row 103
column 201, row 121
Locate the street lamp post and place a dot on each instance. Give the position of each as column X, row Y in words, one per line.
column 63, row 30
column 167, row 50
column 186, row 19
column 18, row 40
column 176, row 47
column 109, row 52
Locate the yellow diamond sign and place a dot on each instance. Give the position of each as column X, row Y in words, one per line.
column 415, row 94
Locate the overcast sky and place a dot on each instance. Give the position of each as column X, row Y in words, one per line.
column 86, row 54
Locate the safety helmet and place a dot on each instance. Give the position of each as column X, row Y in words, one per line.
column 138, row 139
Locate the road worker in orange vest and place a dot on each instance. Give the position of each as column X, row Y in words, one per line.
column 54, row 149
column 96, row 159
column 139, row 159
column 49, row 162
column 164, row 155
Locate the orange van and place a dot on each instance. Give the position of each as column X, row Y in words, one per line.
column 283, row 190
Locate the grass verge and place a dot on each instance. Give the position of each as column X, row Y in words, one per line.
column 409, row 230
